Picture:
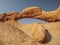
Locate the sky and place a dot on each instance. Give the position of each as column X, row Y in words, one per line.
column 18, row 5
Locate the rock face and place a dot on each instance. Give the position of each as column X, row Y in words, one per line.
column 33, row 12
column 11, row 35
column 53, row 32
column 10, row 16
column 51, row 16
column 35, row 31
column 14, row 33
column 20, row 34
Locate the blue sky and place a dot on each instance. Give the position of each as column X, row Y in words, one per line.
column 19, row 5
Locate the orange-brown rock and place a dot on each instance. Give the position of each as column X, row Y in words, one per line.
column 36, row 12
column 31, row 12
column 10, row 16
column 52, row 16
column 2, row 16
column 26, row 13
column 35, row 31
column 52, row 32
column 12, row 35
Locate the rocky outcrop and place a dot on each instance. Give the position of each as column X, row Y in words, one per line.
column 14, row 33
column 49, row 33
column 33, row 12
column 38, row 13
column 35, row 31
column 10, row 16
column 53, row 32
column 52, row 16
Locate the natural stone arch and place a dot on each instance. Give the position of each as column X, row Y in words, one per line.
column 11, row 18
column 33, row 12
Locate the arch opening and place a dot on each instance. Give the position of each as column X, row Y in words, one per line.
column 30, row 21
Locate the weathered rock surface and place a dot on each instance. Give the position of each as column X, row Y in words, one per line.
column 19, row 34
column 35, row 31
column 52, row 32
column 33, row 12
column 52, row 16
column 11, row 35
column 38, row 13
column 10, row 16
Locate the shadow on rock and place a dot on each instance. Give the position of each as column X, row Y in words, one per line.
column 47, row 38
